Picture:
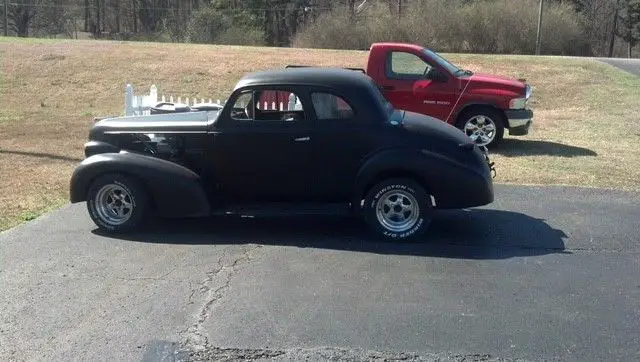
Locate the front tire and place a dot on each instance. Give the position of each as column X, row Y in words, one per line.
column 397, row 210
column 117, row 203
column 485, row 126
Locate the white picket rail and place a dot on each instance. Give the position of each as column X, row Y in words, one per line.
column 141, row 104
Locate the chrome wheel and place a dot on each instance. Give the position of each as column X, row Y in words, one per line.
column 481, row 129
column 397, row 210
column 113, row 204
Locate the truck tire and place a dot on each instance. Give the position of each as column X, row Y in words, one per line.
column 118, row 203
column 397, row 209
column 484, row 125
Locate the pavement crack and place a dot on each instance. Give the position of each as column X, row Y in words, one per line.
column 326, row 354
column 162, row 277
column 212, row 287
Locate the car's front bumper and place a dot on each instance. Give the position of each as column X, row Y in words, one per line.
column 519, row 121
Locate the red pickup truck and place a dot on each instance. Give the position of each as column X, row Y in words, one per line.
column 418, row 79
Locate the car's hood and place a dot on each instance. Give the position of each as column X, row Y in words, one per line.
column 434, row 128
column 187, row 122
column 497, row 79
column 493, row 83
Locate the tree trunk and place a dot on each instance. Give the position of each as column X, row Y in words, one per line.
column 613, row 29
column 96, row 29
column 352, row 8
column 87, row 15
column 135, row 17
column 104, row 16
column 117, row 11
column 630, row 47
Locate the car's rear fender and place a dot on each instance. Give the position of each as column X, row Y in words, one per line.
column 176, row 191
column 450, row 183
column 387, row 164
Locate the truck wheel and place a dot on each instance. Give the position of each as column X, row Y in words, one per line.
column 117, row 203
column 397, row 209
column 485, row 126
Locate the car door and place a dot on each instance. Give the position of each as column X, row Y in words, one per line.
column 413, row 84
column 262, row 152
column 341, row 141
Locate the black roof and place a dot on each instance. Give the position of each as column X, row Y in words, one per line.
column 338, row 78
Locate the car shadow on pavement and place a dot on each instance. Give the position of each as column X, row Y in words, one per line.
column 463, row 234
column 510, row 147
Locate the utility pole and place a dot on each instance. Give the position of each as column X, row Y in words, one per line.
column 6, row 17
column 539, row 27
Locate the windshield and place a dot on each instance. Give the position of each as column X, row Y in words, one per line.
column 452, row 68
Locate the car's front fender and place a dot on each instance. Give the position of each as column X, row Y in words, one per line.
column 176, row 190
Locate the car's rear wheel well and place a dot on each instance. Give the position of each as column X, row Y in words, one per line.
column 395, row 173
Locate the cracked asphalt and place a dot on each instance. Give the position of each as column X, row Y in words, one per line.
column 541, row 274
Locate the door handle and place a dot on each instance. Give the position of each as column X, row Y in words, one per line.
column 302, row 139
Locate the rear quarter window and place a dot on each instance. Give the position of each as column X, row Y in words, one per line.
column 330, row 106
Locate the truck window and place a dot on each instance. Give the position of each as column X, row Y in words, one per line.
column 404, row 65
column 329, row 106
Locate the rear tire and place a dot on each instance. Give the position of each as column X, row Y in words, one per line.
column 118, row 203
column 397, row 210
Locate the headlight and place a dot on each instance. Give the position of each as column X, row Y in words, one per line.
column 518, row 103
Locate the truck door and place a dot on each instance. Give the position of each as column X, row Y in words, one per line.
column 411, row 83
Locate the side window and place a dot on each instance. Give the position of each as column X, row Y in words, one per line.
column 241, row 105
column 268, row 105
column 407, row 65
column 329, row 106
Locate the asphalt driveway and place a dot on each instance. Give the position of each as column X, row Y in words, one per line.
column 543, row 273
column 630, row 65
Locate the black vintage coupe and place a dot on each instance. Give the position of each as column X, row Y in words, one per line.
column 331, row 144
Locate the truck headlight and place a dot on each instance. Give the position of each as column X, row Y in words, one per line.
column 518, row 103
column 528, row 91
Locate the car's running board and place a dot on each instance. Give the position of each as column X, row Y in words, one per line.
column 272, row 209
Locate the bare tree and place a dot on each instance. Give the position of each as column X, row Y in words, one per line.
column 629, row 28
column 22, row 13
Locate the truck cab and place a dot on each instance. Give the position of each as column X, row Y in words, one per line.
column 418, row 79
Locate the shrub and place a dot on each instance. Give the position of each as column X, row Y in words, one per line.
column 205, row 25
column 481, row 26
column 241, row 35
column 331, row 30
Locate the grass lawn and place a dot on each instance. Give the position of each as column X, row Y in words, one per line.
column 586, row 129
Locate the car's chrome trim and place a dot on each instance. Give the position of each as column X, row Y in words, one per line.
column 513, row 123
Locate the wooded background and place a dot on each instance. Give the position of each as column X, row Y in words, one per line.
column 569, row 27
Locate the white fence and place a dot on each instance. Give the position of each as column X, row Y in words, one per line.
column 141, row 104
